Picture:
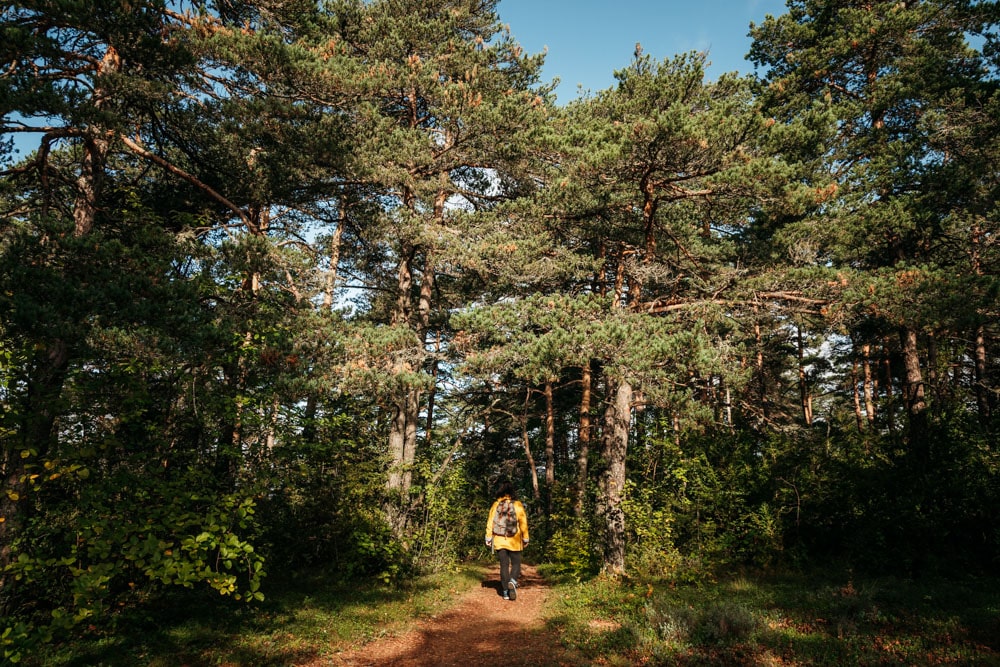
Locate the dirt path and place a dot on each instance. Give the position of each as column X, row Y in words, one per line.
column 470, row 633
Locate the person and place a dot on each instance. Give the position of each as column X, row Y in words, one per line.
column 508, row 547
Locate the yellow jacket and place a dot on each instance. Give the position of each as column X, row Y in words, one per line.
column 518, row 540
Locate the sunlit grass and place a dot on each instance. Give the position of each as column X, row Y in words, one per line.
column 741, row 619
column 301, row 619
column 790, row 619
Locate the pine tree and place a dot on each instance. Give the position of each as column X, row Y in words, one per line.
column 891, row 74
column 650, row 179
column 159, row 130
column 445, row 104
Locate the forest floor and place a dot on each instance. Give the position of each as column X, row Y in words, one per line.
column 481, row 628
column 456, row 616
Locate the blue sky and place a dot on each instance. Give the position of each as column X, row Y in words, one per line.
column 588, row 40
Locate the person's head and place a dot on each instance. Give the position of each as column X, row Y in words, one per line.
column 505, row 488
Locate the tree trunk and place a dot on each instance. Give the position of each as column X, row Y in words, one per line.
column 856, row 395
column 88, row 183
column 405, row 407
column 536, row 493
column 913, row 390
column 335, row 243
column 727, row 404
column 805, row 397
column 616, row 299
column 582, row 457
column 432, row 392
column 617, row 420
column 95, row 151
column 869, row 383
column 761, row 380
column 36, row 435
column 550, row 448
column 932, row 374
column 402, row 450
column 984, row 398
column 309, row 418
column 404, row 283
column 982, row 390
column 890, row 394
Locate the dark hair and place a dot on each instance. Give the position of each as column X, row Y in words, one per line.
column 506, row 489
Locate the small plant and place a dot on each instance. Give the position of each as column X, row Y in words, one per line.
column 724, row 623
column 673, row 624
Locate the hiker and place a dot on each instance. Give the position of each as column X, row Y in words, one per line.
column 507, row 535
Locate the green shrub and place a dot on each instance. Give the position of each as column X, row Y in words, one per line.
column 570, row 551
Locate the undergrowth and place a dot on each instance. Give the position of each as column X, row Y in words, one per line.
column 782, row 619
column 303, row 617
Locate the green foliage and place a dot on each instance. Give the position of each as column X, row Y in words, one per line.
column 570, row 549
column 771, row 270
column 99, row 548
column 885, row 512
column 323, row 502
column 111, row 494
column 448, row 527
column 699, row 505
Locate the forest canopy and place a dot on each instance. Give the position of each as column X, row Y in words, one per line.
column 294, row 282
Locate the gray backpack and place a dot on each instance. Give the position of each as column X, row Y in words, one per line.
column 505, row 520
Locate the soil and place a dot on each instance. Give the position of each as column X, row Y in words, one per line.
column 481, row 629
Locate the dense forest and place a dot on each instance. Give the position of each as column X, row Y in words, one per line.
column 286, row 282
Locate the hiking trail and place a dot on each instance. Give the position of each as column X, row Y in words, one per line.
column 481, row 628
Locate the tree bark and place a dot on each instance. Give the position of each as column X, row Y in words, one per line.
column 761, row 379
column 404, row 408
column 536, row 493
column 402, row 450
column 932, row 374
column 335, row 243
column 805, row 397
column 95, row 151
column 890, row 394
column 550, row 448
column 856, row 395
column 984, row 399
column 983, row 403
column 617, row 421
column 913, row 389
column 869, row 383
column 432, row 392
column 582, row 457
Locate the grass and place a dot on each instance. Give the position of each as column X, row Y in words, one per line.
column 748, row 619
column 302, row 618
column 783, row 620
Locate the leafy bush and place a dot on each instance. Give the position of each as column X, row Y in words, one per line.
column 570, row 550
column 95, row 552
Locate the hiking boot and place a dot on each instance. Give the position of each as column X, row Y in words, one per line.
column 512, row 589
column 506, row 595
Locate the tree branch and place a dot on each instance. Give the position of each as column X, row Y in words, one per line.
column 177, row 171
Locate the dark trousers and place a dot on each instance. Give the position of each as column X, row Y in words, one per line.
column 510, row 566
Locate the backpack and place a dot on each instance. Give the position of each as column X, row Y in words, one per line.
column 505, row 520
